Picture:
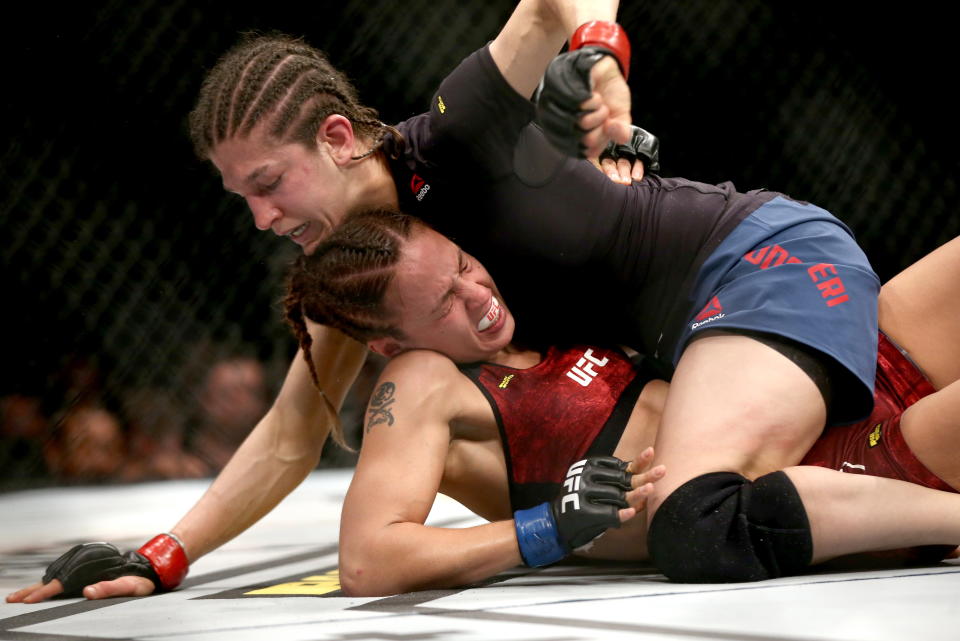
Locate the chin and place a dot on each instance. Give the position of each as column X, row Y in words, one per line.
column 310, row 247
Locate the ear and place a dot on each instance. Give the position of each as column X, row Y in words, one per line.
column 386, row 346
column 336, row 132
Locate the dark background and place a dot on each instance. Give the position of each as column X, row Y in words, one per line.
column 119, row 245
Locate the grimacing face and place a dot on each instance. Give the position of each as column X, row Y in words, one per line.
column 444, row 300
column 291, row 190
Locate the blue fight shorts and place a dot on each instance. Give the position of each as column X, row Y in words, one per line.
column 794, row 270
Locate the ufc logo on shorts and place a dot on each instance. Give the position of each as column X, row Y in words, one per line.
column 572, row 485
column 583, row 372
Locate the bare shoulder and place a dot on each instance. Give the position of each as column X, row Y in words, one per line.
column 430, row 382
column 430, row 371
column 420, row 362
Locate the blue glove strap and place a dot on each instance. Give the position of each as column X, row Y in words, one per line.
column 537, row 535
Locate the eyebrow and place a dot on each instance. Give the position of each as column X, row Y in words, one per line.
column 450, row 292
column 251, row 177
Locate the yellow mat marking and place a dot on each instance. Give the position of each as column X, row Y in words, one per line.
column 315, row 585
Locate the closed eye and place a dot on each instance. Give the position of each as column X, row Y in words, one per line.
column 272, row 187
column 445, row 306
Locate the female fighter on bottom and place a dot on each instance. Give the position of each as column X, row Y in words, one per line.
column 501, row 434
column 521, row 436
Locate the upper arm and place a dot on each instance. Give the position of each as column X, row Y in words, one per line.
column 535, row 33
column 406, row 440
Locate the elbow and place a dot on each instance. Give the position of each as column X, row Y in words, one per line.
column 358, row 586
column 361, row 577
column 360, row 583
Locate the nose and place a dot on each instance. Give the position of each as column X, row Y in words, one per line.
column 475, row 296
column 264, row 213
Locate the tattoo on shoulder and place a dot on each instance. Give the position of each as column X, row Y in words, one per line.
column 380, row 402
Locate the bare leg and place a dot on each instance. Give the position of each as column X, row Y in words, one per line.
column 852, row 513
column 735, row 405
column 931, row 427
column 920, row 310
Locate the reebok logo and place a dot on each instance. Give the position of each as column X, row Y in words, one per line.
column 712, row 311
column 419, row 187
column 711, row 308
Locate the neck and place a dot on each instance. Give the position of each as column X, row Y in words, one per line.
column 516, row 357
column 375, row 185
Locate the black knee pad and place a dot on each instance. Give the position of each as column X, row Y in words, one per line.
column 722, row 527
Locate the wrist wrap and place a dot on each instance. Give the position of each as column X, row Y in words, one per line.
column 606, row 34
column 168, row 559
column 537, row 536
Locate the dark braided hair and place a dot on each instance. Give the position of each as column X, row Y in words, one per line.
column 283, row 83
column 342, row 284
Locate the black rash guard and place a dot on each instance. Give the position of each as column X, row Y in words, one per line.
column 575, row 255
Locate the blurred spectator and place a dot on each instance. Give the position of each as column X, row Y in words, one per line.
column 231, row 399
column 23, row 426
column 156, row 426
column 79, row 381
column 88, row 445
column 87, row 441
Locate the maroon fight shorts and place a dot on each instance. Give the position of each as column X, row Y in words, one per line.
column 876, row 446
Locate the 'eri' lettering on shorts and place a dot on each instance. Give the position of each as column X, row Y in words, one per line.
column 794, row 270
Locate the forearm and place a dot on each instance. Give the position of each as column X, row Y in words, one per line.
column 573, row 13
column 536, row 32
column 258, row 476
column 282, row 449
column 403, row 557
column 852, row 513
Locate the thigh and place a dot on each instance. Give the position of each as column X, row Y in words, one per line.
column 735, row 405
column 920, row 311
column 931, row 429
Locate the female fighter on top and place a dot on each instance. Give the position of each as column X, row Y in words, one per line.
column 786, row 341
column 791, row 345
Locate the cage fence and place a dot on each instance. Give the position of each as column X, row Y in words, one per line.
column 142, row 302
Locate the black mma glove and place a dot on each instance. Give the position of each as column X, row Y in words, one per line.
column 565, row 85
column 93, row 562
column 593, row 493
column 643, row 145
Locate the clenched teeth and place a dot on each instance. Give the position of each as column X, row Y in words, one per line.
column 492, row 315
column 294, row 233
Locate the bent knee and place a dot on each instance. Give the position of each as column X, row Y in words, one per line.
column 721, row 527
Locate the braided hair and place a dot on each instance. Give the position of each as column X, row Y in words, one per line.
column 284, row 84
column 344, row 282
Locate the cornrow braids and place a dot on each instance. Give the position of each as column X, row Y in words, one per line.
column 296, row 322
column 343, row 283
column 283, row 84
